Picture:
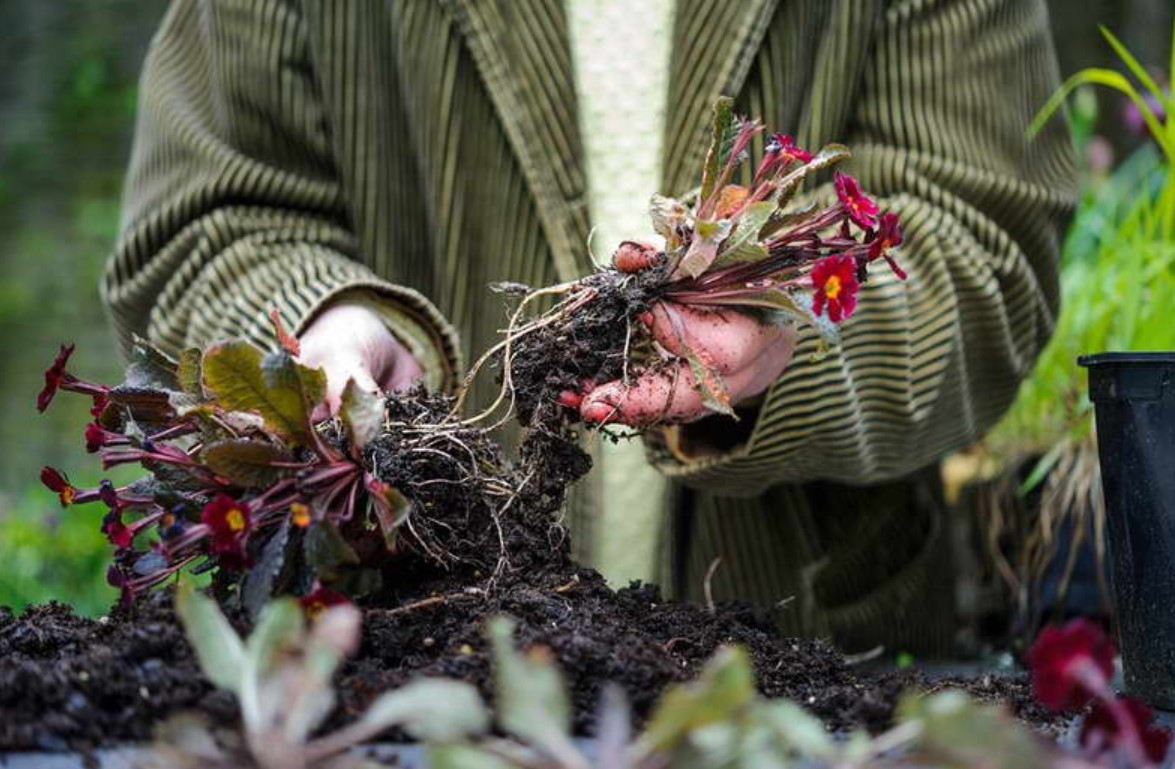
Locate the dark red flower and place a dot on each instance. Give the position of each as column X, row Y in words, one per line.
column 54, row 376
column 100, row 402
column 1101, row 730
column 320, row 599
column 95, row 437
column 787, row 149
column 888, row 236
column 835, row 281
column 55, row 480
column 118, row 533
column 1070, row 664
column 860, row 207
column 228, row 523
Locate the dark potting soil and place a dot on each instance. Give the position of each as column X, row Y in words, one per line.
column 483, row 542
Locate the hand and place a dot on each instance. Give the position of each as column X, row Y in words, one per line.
column 750, row 356
column 353, row 342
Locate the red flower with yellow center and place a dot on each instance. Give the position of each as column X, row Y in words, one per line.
column 860, row 207
column 55, row 480
column 888, row 236
column 228, row 523
column 320, row 599
column 788, row 150
column 835, row 281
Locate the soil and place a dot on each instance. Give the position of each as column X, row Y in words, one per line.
column 484, row 541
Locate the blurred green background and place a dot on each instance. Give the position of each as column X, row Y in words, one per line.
column 67, row 104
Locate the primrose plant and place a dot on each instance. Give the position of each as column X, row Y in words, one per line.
column 241, row 478
column 281, row 677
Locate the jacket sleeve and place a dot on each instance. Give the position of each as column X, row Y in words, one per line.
column 927, row 365
column 233, row 203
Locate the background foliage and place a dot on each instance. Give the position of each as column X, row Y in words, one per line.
column 67, row 96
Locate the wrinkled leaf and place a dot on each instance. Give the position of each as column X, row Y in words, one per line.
column 959, row 732
column 830, row 155
column 431, row 710
column 530, row 696
column 333, row 637
column 391, row 509
column 218, row 647
column 668, row 216
column 147, row 405
column 327, row 552
column 188, row 372
column 150, row 367
column 257, row 588
column 234, row 372
column 362, row 412
column 743, row 245
column 723, row 130
column 246, row 463
column 792, row 219
column 722, row 692
column 708, row 237
column 712, row 386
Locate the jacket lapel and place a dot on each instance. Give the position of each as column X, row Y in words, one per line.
column 523, row 53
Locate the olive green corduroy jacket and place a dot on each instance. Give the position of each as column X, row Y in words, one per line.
column 291, row 152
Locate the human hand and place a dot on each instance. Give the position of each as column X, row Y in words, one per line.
column 749, row 354
column 348, row 341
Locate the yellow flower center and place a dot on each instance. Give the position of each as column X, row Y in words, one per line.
column 235, row 519
column 300, row 515
column 314, row 609
column 832, row 287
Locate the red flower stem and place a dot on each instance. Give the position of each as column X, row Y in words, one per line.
column 1091, row 677
column 175, row 431
column 327, row 475
column 72, row 384
column 191, row 536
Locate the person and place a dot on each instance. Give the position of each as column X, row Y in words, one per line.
column 368, row 168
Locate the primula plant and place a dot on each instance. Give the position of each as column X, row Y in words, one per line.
column 735, row 244
column 242, row 480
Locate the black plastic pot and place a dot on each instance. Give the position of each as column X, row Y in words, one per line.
column 1134, row 399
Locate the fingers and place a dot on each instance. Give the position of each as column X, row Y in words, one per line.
column 731, row 339
column 664, row 396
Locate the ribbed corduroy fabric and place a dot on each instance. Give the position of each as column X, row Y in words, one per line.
column 291, row 153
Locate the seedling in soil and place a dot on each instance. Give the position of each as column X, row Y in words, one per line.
column 243, row 480
column 728, row 247
column 282, row 677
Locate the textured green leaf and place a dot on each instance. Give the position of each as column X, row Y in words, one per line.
column 149, row 406
column 743, row 245
column 188, row 373
column 246, row 462
column 789, row 185
column 257, row 587
column 431, row 710
column 327, row 552
column 722, row 692
column 723, row 130
column 276, row 392
column 465, row 757
column 391, row 508
column 799, row 729
column 668, row 215
column 362, row 412
column 218, row 647
column 150, row 367
column 281, row 627
column 708, row 237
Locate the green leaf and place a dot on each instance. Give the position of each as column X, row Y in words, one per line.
column 724, row 690
column 799, row 729
column 362, row 412
column 465, row 757
column 275, row 391
column 723, row 130
column 789, row 185
column 247, row 462
column 327, row 552
column 188, row 373
column 257, row 587
column 150, row 367
column 431, row 710
column 743, row 245
column 708, row 236
column 218, row 647
column 959, row 732
column 668, row 216
column 281, row 627
column 711, row 385
column 531, row 698
column 391, row 508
